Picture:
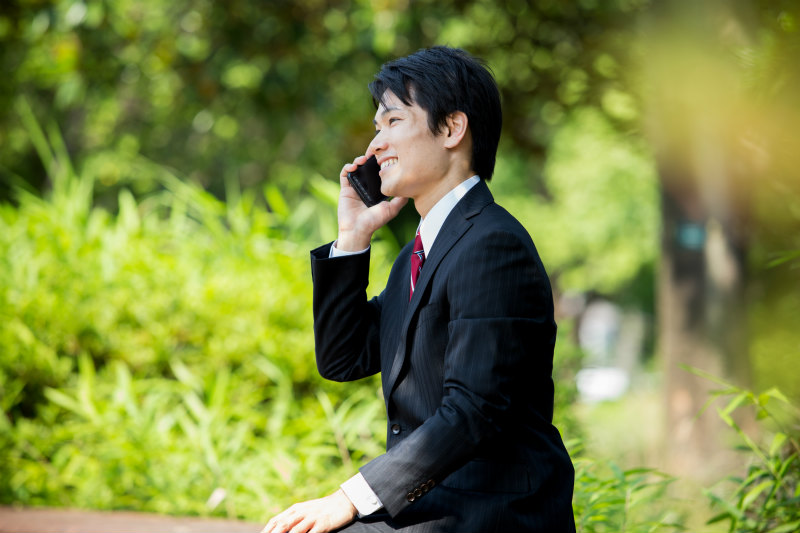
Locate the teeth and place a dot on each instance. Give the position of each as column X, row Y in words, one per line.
column 388, row 162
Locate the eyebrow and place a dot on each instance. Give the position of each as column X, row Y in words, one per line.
column 386, row 110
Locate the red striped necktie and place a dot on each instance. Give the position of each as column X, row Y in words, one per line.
column 417, row 258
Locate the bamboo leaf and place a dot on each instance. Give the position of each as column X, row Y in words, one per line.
column 65, row 401
column 754, row 493
column 791, row 527
column 777, row 442
column 719, row 518
column 784, row 258
column 777, row 394
column 185, row 375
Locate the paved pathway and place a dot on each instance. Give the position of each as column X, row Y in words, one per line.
column 51, row 520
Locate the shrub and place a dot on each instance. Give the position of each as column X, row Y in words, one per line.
column 157, row 356
column 161, row 357
column 608, row 499
column 767, row 497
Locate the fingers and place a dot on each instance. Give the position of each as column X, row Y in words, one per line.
column 318, row 528
column 320, row 516
column 356, row 221
column 389, row 210
column 381, row 213
column 285, row 522
column 304, row 526
column 350, row 167
column 396, row 204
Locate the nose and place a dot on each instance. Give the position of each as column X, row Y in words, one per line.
column 377, row 145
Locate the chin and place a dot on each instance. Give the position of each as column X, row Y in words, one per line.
column 388, row 190
column 391, row 183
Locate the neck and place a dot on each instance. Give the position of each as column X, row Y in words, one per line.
column 424, row 202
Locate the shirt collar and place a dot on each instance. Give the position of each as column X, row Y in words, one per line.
column 430, row 225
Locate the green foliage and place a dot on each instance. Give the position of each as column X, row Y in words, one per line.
column 155, row 342
column 115, row 441
column 609, row 499
column 598, row 227
column 184, row 83
column 272, row 96
column 773, row 352
column 152, row 358
column 161, row 358
column 567, row 361
column 767, row 497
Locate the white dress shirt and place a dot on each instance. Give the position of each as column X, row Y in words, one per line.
column 356, row 488
column 428, row 227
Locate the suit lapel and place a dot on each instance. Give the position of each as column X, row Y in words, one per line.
column 395, row 305
column 454, row 227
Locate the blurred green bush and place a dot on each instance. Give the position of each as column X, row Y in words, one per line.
column 766, row 497
column 161, row 358
column 151, row 357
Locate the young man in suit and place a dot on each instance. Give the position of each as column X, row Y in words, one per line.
column 463, row 334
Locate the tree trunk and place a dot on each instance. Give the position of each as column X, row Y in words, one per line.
column 702, row 316
column 697, row 117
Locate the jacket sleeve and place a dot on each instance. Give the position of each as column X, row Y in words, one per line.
column 345, row 324
column 500, row 320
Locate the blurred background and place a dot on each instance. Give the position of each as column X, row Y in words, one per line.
column 165, row 167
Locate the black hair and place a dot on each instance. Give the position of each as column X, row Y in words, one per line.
column 442, row 80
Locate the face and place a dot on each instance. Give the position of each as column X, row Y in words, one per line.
column 413, row 160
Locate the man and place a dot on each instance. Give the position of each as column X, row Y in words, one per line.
column 463, row 334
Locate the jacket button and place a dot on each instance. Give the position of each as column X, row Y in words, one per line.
column 417, row 493
column 395, row 429
column 410, row 497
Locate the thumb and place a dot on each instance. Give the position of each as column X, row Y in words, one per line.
column 395, row 205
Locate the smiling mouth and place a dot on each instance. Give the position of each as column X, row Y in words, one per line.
column 388, row 163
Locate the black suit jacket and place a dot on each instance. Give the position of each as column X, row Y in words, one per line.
column 466, row 372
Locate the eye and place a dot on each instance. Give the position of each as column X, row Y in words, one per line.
column 393, row 120
column 377, row 132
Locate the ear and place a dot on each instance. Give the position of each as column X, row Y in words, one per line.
column 456, row 129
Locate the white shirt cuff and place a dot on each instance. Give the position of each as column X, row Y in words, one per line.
column 361, row 495
column 335, row 252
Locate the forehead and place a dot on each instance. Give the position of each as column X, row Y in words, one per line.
column 391, row 102
column 389, row 99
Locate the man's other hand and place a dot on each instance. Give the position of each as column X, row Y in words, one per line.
column 314, row 516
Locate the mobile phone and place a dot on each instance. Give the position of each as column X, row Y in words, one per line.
column 367, row 182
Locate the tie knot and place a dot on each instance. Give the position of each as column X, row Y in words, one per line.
column 417, row 258
column 418, row 249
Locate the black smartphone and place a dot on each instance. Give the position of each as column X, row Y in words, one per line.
column 367, row 182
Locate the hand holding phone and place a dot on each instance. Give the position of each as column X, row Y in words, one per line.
column 360, row 211
column 367, row 182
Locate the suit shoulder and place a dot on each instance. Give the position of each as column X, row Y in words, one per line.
column 495, row 219
column 497, row 227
